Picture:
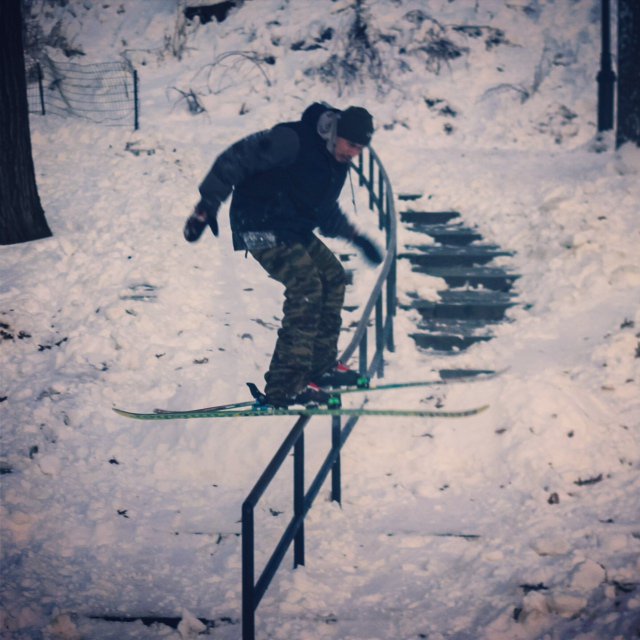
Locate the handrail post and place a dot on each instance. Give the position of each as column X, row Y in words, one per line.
column 391, row 308
column 336, row 471
column 381, row 201
column 362, row 349
column 248, row 574
column 136, row 104
column 380, row 335
column 298, row 499
column 371, row 183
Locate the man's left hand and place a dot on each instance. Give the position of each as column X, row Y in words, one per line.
column 368, row 248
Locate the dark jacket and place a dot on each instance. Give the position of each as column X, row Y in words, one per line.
column 284, row 180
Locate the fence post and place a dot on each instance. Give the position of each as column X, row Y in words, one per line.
column 136, row 110
column 606, row 77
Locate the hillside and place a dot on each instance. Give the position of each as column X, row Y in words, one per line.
column 519, row 524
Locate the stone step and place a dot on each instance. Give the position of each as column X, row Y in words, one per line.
column 430, row 256
column 458, row 374
column 488, row 277
column 448, row 234
column 465, row 305
column 445, row 342
column 450, row 334
column 455, row 326
column 424, row 218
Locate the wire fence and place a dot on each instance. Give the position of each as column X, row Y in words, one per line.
column 105, row 92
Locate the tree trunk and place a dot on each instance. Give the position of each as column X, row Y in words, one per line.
column 21, row 214
column 628, row 129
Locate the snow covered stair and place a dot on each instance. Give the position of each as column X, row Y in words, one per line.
column 478, row 293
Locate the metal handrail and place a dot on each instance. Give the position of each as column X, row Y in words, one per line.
column 387, row 220
column 381, row 199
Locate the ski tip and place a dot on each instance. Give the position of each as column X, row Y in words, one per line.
column 130, row 414
column 121, row 412
column 463, row 413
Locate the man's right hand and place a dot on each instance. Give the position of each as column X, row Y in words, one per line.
column 205, row 213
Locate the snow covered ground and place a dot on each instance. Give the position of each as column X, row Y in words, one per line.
column 522, row 523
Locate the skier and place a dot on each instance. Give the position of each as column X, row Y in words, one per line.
column 286, row 182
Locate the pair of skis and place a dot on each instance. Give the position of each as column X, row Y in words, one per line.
column 252, row 409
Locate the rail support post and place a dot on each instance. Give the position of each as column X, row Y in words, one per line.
column 336, row 482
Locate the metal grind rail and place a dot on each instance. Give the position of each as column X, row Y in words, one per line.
column 381, row 305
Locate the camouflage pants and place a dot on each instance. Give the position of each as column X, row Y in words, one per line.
column 307, row 344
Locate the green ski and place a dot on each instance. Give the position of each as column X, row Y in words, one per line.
column 448, row 378
column 303, row 411
column 460, row 378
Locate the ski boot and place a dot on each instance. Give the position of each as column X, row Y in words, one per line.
column 341, row 376
column 310, row 396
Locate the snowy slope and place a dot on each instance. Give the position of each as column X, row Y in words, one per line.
column 519, row 524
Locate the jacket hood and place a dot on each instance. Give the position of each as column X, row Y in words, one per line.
column 323, row 119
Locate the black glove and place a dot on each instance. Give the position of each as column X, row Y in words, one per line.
column 370, row 250
column 205, row 213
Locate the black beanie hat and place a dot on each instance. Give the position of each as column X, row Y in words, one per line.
column 356, row 125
